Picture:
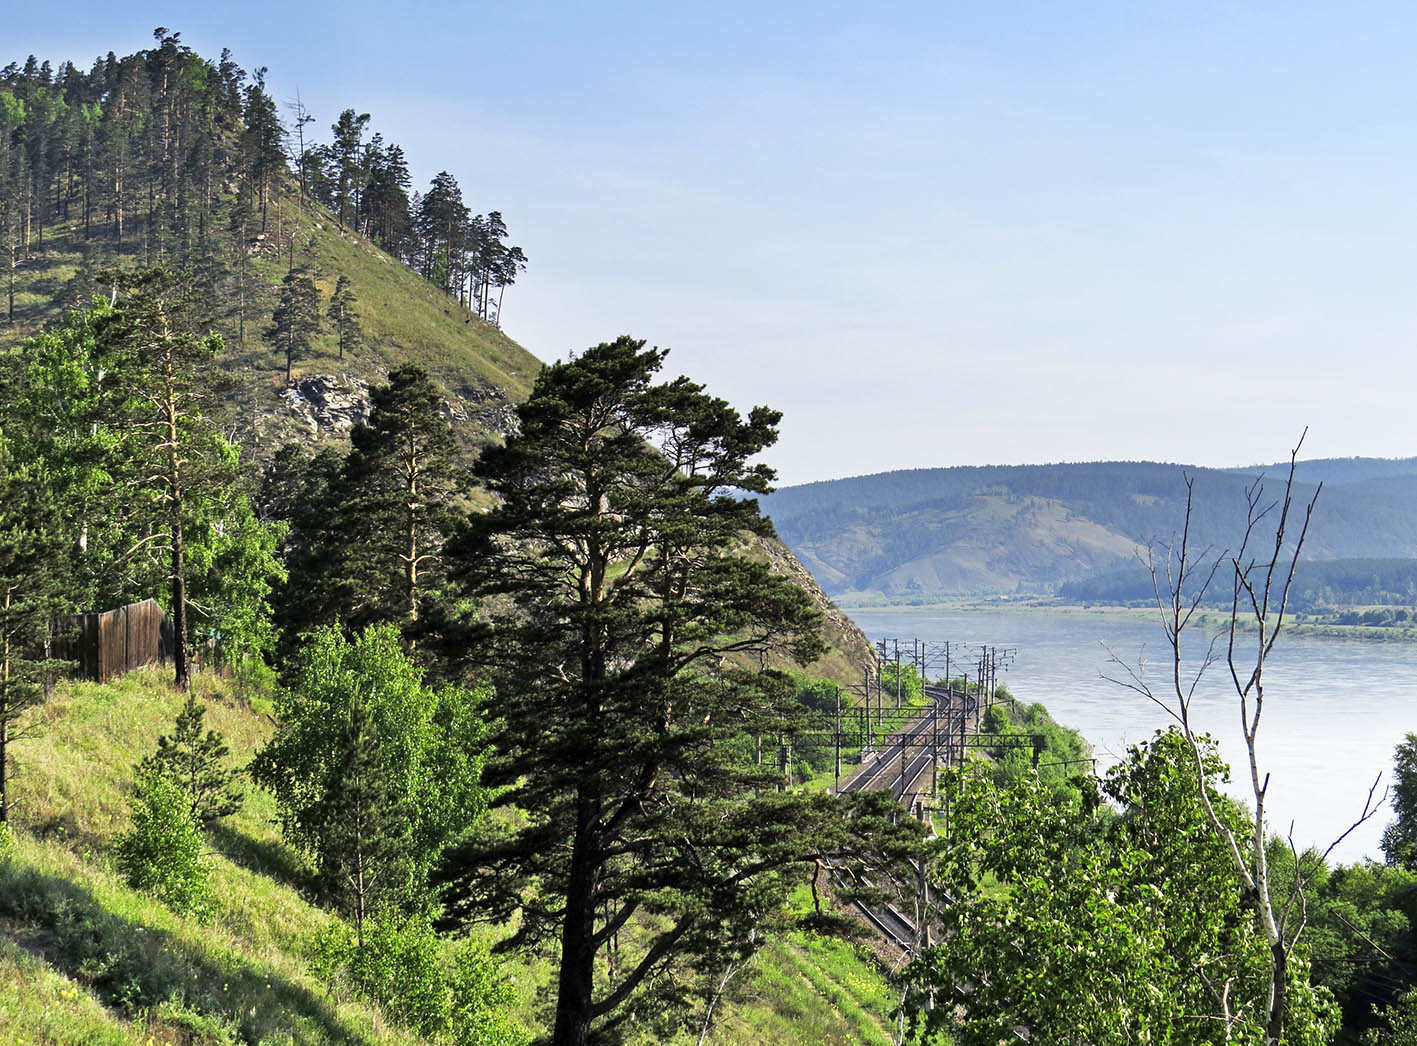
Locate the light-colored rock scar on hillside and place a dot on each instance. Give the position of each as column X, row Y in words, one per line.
column 329, row 405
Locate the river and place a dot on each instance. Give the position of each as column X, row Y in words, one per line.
column 1335, row 708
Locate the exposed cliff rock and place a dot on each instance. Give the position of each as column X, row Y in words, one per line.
column 328, row 404
column 323, row 408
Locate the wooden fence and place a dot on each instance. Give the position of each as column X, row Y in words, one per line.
column 109, row 643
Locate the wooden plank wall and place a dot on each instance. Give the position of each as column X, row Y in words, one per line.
column 113, row 642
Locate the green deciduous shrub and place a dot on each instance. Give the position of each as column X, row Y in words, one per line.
column 449, row 991
column 162, row 852
column 1399, row 1023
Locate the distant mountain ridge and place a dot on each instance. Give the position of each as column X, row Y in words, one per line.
column 920, row 534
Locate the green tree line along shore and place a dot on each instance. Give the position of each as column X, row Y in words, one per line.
column 467, row 748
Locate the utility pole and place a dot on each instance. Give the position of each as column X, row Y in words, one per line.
column 880, row 679
column 904, row 758
column 836, row 737
column 964, row 710
column 883, row 659
column 897, row 674
column 866, row 720
column 935, row 748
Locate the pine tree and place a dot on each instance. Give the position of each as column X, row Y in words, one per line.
column 495, row 265
column 91, row 410
column 344, row 159
column 390, row 221
column 181, row 456
column 345, row 318
column 262, row 144
column 296, row 319
column 196, row 764
column 627, row 729
column 442, row 225
column 366, row 531
column 302, row 492
column 402, row 483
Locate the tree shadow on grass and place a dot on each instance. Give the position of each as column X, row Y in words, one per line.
column 265, row 857
column 134, row 968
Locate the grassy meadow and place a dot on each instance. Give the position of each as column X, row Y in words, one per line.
column 86, row 959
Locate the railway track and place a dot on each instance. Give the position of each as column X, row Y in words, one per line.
column 897, row 928
column 896, row 769
column 878, row 773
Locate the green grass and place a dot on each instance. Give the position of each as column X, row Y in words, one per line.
column 795, row 1000
column 86, row 959
column 40, row 1005
column 110, row 964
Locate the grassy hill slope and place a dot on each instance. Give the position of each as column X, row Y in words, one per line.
column 84, row 958
column 405, row 318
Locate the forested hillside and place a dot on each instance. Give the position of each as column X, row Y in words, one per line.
column 497, row 623
column 934, row 533
column 312, row 252
column 1321, row 586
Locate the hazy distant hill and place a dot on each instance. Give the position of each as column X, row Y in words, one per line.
column 933, row 533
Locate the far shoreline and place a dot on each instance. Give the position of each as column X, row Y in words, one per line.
column 1209, row 618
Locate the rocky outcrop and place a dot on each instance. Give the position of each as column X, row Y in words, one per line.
column 484, row 406
column 329, row 405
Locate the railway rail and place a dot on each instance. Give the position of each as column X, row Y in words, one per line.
column 902, row 765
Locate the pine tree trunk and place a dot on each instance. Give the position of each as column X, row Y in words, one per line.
column 411, row 578
column 4, row 750
column 183, row 675
column 5, row 715
column 576, row 979
column 241, row 287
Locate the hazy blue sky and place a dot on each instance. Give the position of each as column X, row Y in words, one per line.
column 931, row 234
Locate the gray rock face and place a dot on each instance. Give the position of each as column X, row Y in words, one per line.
column 484, row 405
column 329, row 404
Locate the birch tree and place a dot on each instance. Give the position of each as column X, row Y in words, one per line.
column 1260, row 576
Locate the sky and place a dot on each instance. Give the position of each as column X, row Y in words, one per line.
column 931, row 234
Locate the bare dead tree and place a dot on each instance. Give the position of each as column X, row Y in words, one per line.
column 1262, row 579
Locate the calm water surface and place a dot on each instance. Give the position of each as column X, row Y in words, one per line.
column 1334, row 708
